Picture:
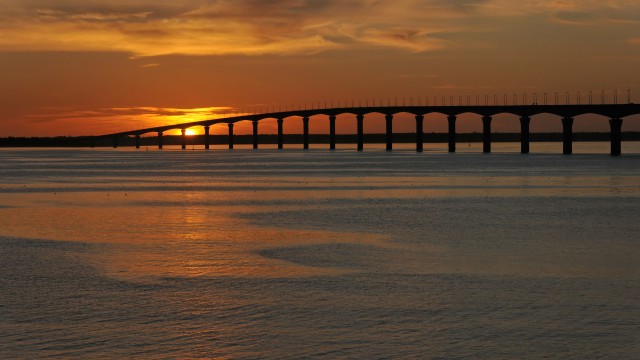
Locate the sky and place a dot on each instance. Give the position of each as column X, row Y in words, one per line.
column 90, row 67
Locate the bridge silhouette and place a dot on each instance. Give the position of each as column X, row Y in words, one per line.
column 614, row 112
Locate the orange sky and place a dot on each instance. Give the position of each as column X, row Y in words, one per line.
column 80, row 67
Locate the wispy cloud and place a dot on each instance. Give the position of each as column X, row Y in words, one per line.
column 253, row 27
column 125, row 118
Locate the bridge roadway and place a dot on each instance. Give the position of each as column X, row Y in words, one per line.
column 614, row 112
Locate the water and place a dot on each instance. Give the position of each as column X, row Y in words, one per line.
column 265, row 254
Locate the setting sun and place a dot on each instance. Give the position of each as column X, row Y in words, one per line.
column 190, row 132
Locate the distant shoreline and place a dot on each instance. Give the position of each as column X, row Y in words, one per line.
column 87, row 141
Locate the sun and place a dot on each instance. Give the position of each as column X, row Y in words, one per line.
column 190, row 132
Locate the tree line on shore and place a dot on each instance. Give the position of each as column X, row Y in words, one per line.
column 89, row 141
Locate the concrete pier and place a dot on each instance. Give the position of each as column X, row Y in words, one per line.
column 115, row 141
column 206, row 138
column 137, row 141
column 184, row 138
column 230, row 136
column 452, row 133
column 255, row 134
column 305, row 126
column 419, row 133
column 567, row 135
column 160, row 140
column 389, row 127
column 616, row 136
column 280, row 134
column 332, row 132
column 524, row 134
column 360, row 125
column 486, row 134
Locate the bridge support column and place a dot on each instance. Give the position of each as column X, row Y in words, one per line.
column 255, row 134
column 230, row 136
column 184, row 139
column 137, row 141
column 332, row 132
column 419, row 133
column 360, row 121
column 486, row 134
column 389, row 120
column 115, row 142
column 524, row 134
column 280, row 134
column 206, row 138
column 160, row 140
column 567, row 135
column 452, row 133
column 616, row 136
column 93, row 142
column 305, row 136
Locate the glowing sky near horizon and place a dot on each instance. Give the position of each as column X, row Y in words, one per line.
column 81, row 67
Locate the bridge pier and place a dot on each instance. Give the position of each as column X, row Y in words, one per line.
column 115, row 142
column 230, row 136
column 524, row 134
column 567, row 135
column 486, row 134
column 360, row 125
column 332, row 132
column 255, row 134
column 160, row 140
column 389, row 121
column 616, row 136
column 206, row 137
column 452, row 133
column 280, row 134
column 184, row 138
column 305, row 126
column 419, row 133
column 137, row 141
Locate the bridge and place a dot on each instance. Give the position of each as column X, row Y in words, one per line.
column 614, row 112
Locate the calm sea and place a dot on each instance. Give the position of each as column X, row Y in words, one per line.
column 301, row 254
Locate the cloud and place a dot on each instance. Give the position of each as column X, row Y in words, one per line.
column 582, row 12
column 120, row 118
column 254, row 27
